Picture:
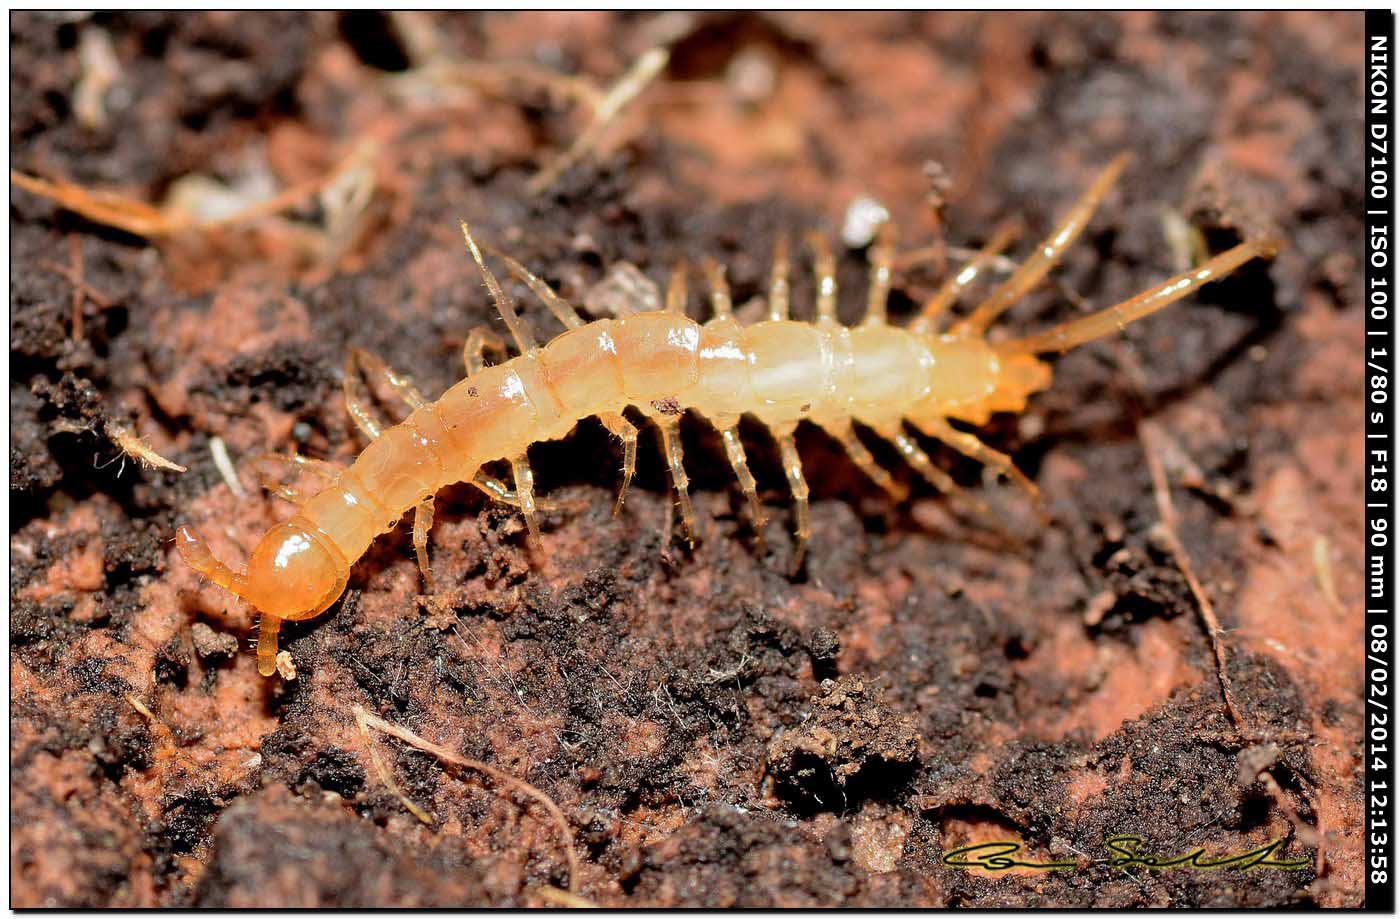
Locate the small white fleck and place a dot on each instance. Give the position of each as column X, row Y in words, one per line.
column 863, row 218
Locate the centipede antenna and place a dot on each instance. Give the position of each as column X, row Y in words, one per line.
column 196, row 553
column 524, row 338
column 1114, row 318
column 1035, row 268
column 947, row 295
column 779, row 292
column 562, row 309
column 824, row 273
column 677, row 290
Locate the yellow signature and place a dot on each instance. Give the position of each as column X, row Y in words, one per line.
column 1125, row 853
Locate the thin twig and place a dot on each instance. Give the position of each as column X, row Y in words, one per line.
column 73, row 273
column 155, row 222
column 1307, row 834
column 1167, row 529
column 385, row 776
column 636, row 79
column 364, row 718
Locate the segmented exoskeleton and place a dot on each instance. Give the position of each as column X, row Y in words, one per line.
column 780, row 371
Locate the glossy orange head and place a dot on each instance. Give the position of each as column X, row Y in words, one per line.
column 294, row 573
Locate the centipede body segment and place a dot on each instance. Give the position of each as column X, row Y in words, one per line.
column 780, row 371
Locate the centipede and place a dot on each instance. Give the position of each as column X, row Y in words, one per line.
column 893, row 382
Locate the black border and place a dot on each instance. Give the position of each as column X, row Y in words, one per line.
column 1379, row 635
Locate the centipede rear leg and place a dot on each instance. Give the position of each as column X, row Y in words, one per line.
column 973, row 448
column 931, row 315
column 921, row 463
column 1046, row 255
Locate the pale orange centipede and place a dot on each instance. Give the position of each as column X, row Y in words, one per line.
column 780, row 371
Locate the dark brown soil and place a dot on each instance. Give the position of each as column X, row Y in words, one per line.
column 715, row 732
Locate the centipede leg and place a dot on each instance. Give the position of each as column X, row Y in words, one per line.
column 734, row 449
column 792, row 466
column 357, row 397
column 626, row 432
column 968, row 445
column 720, row 301
column 920, row 462
column 670, row 428
column 497, row 490
column 779, row 291
column 677, row 288
column 520, row 331
column 401, row 384
column 357, row 400
column 933, row 310
column 357, row 404
column 1051, row 249
column 480, row 340
column 525, row 489
column 846, row 435
column 562, row 309
column 881, row 267
column 422, row 525
column 326, row 472
column 824, row 269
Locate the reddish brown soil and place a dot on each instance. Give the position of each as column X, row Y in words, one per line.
column 1047, row 684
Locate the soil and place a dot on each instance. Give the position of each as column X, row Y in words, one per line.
column 714, row 732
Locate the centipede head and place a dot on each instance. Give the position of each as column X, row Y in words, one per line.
column 293, row 573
